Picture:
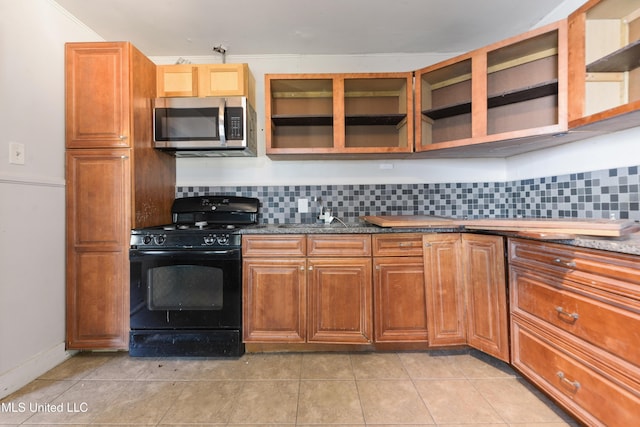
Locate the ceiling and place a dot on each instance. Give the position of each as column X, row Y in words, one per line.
column 334, row 27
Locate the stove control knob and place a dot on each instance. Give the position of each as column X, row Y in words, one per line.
column 147, row 239
column 209, row 240
column 223, row 239
column 160, row 239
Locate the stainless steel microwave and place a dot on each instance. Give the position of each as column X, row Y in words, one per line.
column 205, row 127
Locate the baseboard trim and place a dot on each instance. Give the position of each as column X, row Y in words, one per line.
column 21, row 375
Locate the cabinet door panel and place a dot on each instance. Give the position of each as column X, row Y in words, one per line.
column 98, row 194
column 340, row 300
column 400, row 300
column 486, row 294
column 97, row 313
column 98, row 198
column 445, row 289
column 97, row 95
column 274, row 297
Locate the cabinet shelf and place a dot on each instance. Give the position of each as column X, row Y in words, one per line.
column 351, row 120
column 375, row 119
column 524, row 94
column 505, row 98
column 624, row 59
column 302, row 120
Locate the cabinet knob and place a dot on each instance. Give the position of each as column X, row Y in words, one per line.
column 302, row 268
column 122, row 137
column 310, row 267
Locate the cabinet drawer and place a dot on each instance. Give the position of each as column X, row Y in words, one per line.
column 618, row 273
column 397, row 245
column 594, row 399
column 339, row 244
column 605, row 324
column 274, row 246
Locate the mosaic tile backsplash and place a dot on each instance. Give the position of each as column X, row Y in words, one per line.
column 600, row 194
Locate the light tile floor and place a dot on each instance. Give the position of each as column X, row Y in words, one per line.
column 347, row 389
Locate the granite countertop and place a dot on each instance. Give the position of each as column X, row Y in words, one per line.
column 628, row 245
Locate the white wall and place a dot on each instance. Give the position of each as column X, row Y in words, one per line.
column 32, row 262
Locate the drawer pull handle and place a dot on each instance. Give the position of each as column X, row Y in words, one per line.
column 405, row 244
column 562, row 312
column 569, row 264
column 564, row 379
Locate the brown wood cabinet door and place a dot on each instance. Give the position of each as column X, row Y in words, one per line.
column 445, row 289
column 274, row 300
column 484, row 275
column 97, row 95
column 399, row 300
column 340, row 300
column 98, row 200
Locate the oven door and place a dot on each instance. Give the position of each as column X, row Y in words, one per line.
column 186, row 289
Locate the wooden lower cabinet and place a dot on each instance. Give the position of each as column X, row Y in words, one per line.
column 466, row 292
column 97, row 248
column 445, row 289
column 339, row 304
column 292, row 298
column 575, row 317
column 400, row 300
column 486, row 293
column 274, row 299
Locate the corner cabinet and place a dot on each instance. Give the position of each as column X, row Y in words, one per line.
column 575, row 319
column 504, row 99
column 604, row 65
column 364, row 115
column 115, row 181
column 466, row 292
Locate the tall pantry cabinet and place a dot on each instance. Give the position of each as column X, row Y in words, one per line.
column 115, row 181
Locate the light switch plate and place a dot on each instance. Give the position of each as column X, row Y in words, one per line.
column 16, row 153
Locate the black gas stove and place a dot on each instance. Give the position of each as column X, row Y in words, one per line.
column 186, row 280
column 203, row 222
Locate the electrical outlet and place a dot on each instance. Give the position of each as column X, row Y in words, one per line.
column 16, row 153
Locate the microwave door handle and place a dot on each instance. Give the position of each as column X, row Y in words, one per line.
column 221, row 120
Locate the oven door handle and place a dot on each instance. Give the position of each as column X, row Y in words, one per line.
column 172, row 252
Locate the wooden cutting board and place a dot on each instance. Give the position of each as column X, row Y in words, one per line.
column 587, row 227
column 419, row 221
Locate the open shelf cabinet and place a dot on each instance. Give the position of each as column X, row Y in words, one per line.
column 503, row 99
column 339, row 114
column 604, row 65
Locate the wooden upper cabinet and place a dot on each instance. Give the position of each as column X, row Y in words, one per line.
column 339, row 114
column 190, row 80
column 177, row 80
column 97, row 95
column 482, row 103
column 604, row 65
